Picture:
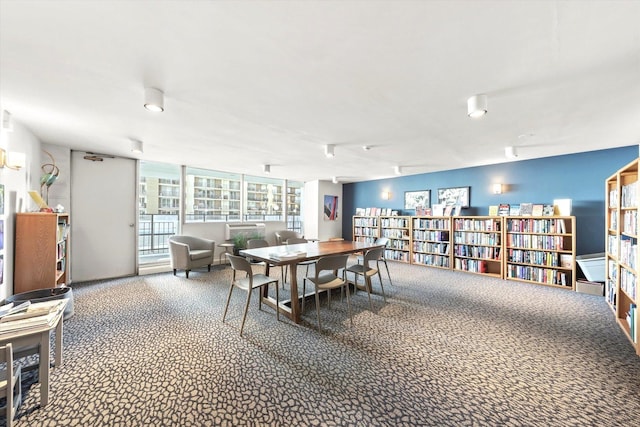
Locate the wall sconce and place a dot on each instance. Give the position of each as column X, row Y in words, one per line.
column 477, row 106
column 386, row 195
column 497, row 188
column 329, row 150
column 12, row 160
column 154, row 100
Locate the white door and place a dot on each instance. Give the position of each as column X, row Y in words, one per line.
column 103, row 217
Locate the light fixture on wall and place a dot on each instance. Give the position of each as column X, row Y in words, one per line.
column 266, row 169
column 397, row 170
column 335, row 180
column 329, row 150
column 497, row 188
column 154, row 100
column 12, row 160
column 386, row 195
column 7, row 122
column 136, row 146
column 510, row 152
column 477, row 106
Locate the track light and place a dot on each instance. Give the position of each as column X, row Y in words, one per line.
column 136, row 146
column 366, row 147
column 334, row 180
column 510, row 152
column 266, row 169
column 477, row 106
column 397, row 170
column 154, row 100
column 329, row 150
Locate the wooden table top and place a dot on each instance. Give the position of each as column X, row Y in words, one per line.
column 312, row 250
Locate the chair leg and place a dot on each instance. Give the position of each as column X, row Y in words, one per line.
column 209, row 267
column 389, row 275
column 246, row 308
column 277, row 303
column 348, row 304
column 384, row 297
column 174, row 271
column 367, row 284
column 186, row 272
column 283, row 274
column 227, row 305
column 318, row 308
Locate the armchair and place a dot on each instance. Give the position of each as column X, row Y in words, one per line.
column 189, row 252
column 283, row 235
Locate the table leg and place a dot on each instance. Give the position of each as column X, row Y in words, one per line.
column 295, row 303
column 43, row 371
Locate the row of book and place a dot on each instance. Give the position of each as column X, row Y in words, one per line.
column 548, row 259
column 63, row 231
column 394, row 222
column 402, row 245
column 476, row 225
column 631, row 320
column 374, row 211
column 628, row 283
column 538, row 274
column 537, row 226
column 522, row 209
column 431, row 259
column 629, row 252
column 613, row 198
column 630, row 222
column 434, row 236
column 484, row 252
column 610, row 292
column 366, row 231
column 365, row 222
column 436, row 248
column 473, row 265
column 396, row 255
column 441, row 223
column 530, row 241
column 630, row 195
column 395, row 233
column 475, row 238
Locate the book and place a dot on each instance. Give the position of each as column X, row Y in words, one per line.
column 526, row 209
column 547, row 210
column 493, row 210
column 448, row 210
column 562, row 207
column 11, row 309
column 438, row 209
column 34, row 310
column 456, row 210
column 566, row 260
column 537, row 209
column 514, row 210
column 504, row 209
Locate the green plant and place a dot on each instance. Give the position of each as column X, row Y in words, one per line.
column 240, row 240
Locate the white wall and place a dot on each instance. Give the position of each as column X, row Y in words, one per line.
column 16, row 184
column 315, row 224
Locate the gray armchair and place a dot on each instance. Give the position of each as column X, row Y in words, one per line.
column 283, row 235
column 189, row 252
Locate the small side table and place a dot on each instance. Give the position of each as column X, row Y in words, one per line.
column 228, row 249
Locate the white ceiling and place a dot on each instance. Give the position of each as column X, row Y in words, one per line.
column 254, row 82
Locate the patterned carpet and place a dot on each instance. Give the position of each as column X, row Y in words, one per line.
column 447, row 349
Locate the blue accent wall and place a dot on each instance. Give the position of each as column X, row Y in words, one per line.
column 579, row 177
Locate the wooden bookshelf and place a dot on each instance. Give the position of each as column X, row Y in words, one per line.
column 622, row 261
column 41, row 251
column 431, row 241
column 398, row 230
column 366, row 228
column 541, row 250
column 477, row 245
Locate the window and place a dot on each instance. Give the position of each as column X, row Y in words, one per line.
column 263, row 199
column 294, row 205
column 159, row 209
column 211, row 195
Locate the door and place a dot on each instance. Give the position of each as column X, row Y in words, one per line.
column 102, row 216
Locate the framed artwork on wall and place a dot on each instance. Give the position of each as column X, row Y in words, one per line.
column 454, row 196
column 330, row 208
column 417, row 198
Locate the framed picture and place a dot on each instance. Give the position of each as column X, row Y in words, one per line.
column 330, row 208
column 454, row 196
column 417, row 198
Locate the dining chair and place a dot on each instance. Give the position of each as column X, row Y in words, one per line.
column 295, row 241
column 10, row 384
column 327, row 277
column 262, row 243
column 383, row 241
column 248, row 283
column 365, row 270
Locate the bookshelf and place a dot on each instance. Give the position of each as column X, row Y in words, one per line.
column 541, row 250
column 41, row 251
column 398, row 230
column 477, row 245
column 431, row 241
column 366, row 228
column 622, row 260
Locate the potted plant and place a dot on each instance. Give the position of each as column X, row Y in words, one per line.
column 240, row 241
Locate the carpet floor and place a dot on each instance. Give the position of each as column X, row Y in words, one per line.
column 446, row 349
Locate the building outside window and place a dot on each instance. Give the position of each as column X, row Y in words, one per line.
column 159, row 210
column 294, row 206
column 263, row 199
column 212, row 195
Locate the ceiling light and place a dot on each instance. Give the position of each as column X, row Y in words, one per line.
column 329, row 150
column 334, row 180
column 477, row 106
column 136, row 146
column 7, row 123
column 154, row 100
column 397, row 170
column 366, row 147
column 510, row 152
column 266, row 169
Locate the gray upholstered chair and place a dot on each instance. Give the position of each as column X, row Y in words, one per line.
column 189, row 252
column 283, row 235
column 10, row 386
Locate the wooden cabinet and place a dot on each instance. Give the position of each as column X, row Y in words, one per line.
column 41, row 251
column 477, row 245
column 431, row 241
column 398, row 230
column 622, row 259
column 541, row 250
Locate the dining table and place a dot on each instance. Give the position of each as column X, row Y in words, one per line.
column 292, row 255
